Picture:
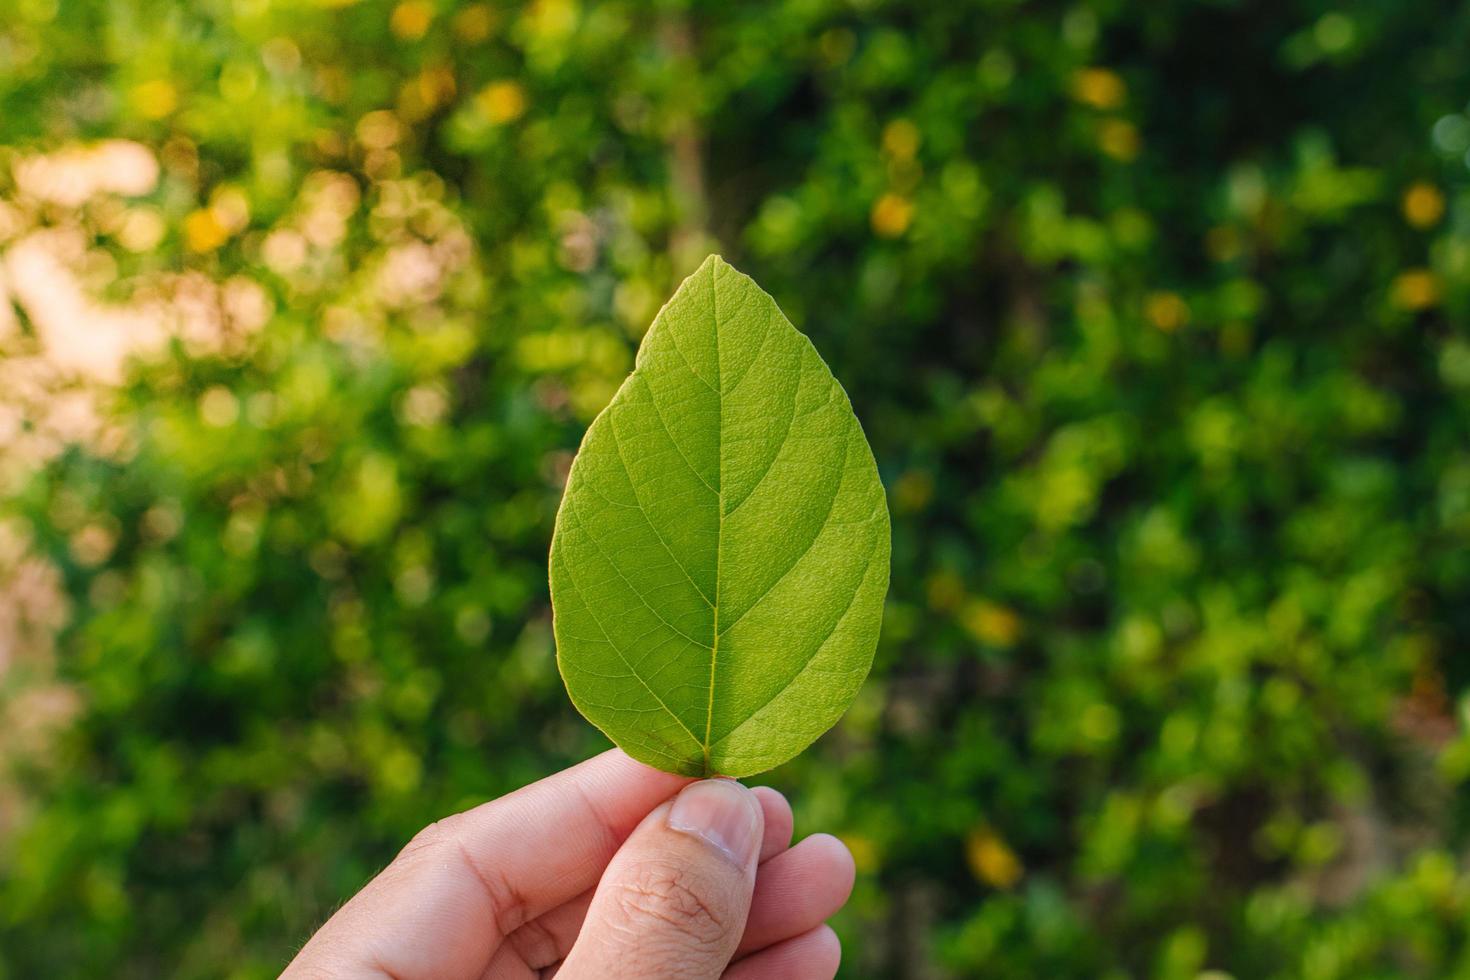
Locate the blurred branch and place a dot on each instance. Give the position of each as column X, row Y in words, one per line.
column 685, row 152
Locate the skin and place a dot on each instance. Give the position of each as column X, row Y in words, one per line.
column 609, row 869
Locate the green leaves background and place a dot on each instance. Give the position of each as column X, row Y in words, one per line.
column 1153, row 313
column 721, row 554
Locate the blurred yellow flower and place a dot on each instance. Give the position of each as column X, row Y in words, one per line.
column 1165, row 310
column 155, row 99
column 990, row 622
column 864, row 852
column 425, row 92
column 474, row 23
column 1423, row 205
column 1415, row 289
column 203, row 231
column 502, row 102
column 410, row 20
column 991, row 859
column 901, row 139
column 379, row 129
column 1099, row 88
column 891, row 215
column 1119, row 139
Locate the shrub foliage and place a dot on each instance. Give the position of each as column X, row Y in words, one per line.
column 1154, row 314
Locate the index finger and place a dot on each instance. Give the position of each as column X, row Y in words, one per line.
column 549, row 841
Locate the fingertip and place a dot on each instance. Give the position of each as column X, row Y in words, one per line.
column 779, row 821
column 826, row 951
column 774, row 801
column 797, row 891
column 840, row 865
column 724, row 813
column 813, row 955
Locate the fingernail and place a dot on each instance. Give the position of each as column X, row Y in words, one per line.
column 720, row 811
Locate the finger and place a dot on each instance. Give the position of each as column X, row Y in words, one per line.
column 813, row 955
column 778, row 819
column 545, row 940
column 551, row 840
column 446, row 902
column 797, row 891
column 674, row 900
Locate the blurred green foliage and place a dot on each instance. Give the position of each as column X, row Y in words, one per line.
column 1154, row 313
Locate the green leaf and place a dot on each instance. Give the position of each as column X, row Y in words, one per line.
column 721, row 555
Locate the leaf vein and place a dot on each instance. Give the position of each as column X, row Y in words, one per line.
column 785, row 438
column 852, row 600
column 831, row 506
column 649, row 520
column 658, row 414
column 623, row 657
column 577, row 513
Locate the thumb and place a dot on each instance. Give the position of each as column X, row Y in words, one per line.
column 673, row 901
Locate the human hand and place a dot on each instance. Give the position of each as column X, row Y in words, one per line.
column 609, row 869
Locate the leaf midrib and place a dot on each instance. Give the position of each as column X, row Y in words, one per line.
column 714, row 653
